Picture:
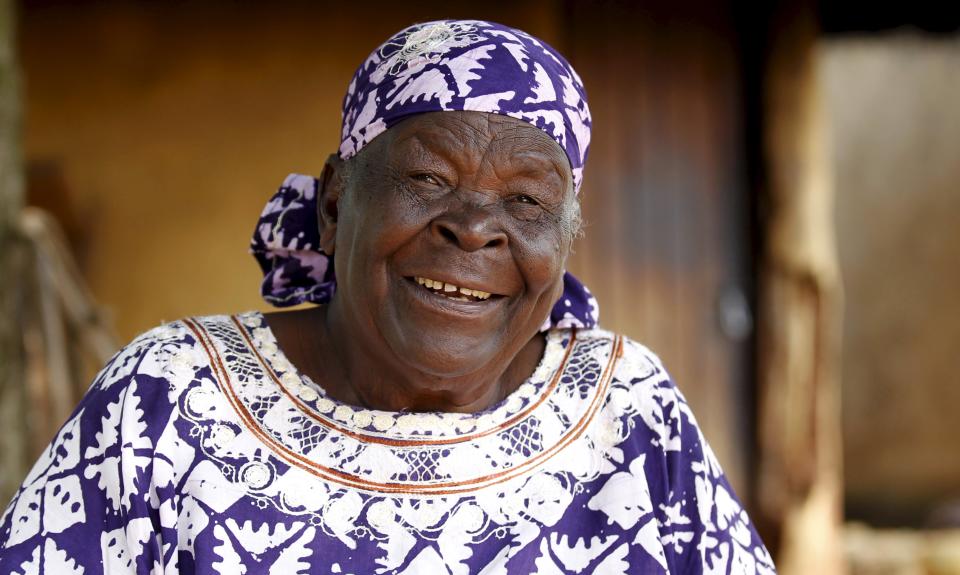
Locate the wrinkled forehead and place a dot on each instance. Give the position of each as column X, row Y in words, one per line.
column 472, row 137
column 468, row 65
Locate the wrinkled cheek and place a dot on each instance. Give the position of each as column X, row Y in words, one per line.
column 555, row 293
column 550, row 278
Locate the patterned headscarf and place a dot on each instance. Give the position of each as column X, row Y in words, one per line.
column 445, row 65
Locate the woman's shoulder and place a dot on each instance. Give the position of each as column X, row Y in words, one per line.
column 184, row 329
column 638, row 386
column 177, row 343
column 157, row 365
column 154, row 352
column 651, row 440
column 630, row 359
column 123, row 444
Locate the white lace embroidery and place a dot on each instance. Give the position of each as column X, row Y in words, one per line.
column 426, row 43
column 292, row 489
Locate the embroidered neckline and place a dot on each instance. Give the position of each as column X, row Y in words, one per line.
column 252, row 398
column 398, row 427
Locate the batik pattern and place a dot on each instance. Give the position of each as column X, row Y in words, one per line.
column 468, row 65
column 201, row 449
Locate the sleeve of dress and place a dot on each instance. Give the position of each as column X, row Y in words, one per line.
column 90, row 504
column 703, row 527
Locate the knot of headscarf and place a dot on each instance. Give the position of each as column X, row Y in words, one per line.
column 447, row 65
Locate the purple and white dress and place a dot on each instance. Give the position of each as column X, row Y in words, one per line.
column 201, row 449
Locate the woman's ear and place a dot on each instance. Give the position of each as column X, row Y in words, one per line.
column 330, row 189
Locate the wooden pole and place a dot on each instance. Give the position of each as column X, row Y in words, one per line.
column 13, row 444
column 800, row 473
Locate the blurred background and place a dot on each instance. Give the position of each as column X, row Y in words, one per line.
column 772, row 205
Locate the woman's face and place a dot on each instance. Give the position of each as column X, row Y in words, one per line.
column 478, row 201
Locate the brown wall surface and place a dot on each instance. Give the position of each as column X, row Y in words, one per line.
column 666, row 199
column 172, row 124
column 896, row 150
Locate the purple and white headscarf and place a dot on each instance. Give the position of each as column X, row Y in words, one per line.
column 447, row 65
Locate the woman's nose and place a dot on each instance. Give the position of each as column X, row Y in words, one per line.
column 470, row 225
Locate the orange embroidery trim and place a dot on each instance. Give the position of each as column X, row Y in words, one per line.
column 349, row 480
column 408, row 442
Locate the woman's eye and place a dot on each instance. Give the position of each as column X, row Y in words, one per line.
column 426, row 179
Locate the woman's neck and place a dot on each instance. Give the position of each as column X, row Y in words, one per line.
column 353, row 371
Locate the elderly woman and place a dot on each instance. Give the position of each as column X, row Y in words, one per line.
column 448, row 406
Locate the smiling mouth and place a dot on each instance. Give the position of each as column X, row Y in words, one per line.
column 451, row 291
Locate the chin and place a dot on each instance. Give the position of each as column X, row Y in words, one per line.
column 447, row 355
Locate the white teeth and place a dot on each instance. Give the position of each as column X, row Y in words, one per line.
column 450, row 288
column 475, row 293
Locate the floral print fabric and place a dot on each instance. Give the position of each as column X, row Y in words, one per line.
column 201, row 449
column 468, row 65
